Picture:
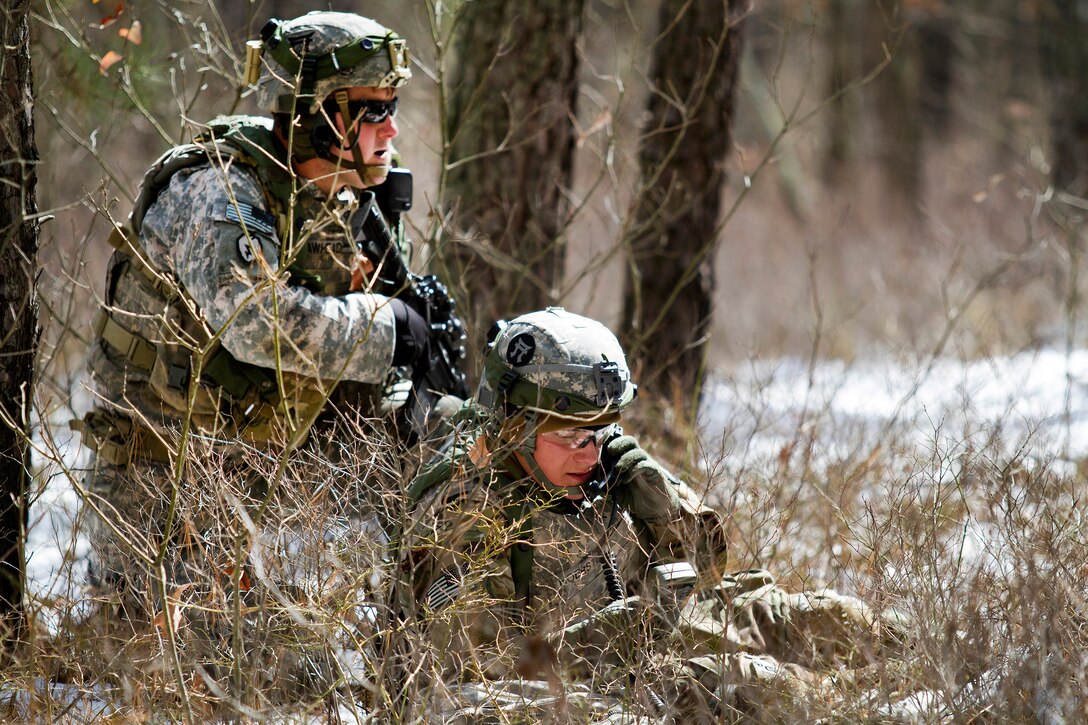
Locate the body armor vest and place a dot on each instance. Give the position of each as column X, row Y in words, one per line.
column 232, row 398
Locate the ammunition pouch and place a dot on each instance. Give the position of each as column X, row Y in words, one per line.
column 231, row 398
column 118, row 441
column 171, row 372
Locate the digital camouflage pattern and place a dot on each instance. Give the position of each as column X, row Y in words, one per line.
column 557, row 363
column 210, row 230
column 216, row 237
column 384, row 62
column 734, row 648
column 230, row 270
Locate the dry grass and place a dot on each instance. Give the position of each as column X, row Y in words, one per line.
column 980, row 544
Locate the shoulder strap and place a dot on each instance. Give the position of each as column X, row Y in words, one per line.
column 252, row 141
column 159, row 175
column 246, row 139
column 521, row 552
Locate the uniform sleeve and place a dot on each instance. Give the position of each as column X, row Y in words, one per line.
column 677, row 524
column 229, row 268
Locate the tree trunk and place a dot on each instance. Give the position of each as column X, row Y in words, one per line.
column 510, row 104
column 893, row 27
column 18, row 306
column 674, row 232
column 937, row 47
column 1065, row 63
column 842, row 70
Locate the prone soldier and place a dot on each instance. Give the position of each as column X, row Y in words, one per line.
column 550, row 556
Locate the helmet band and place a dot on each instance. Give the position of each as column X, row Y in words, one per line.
column 294, row 61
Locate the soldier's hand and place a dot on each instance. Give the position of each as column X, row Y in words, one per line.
column 413, row 338
column 711, row 549
column 616, row 617
column 625, row 460
column 767, row 616
column 395, row 394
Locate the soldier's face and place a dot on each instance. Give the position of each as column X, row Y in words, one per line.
column 565, row 464
column 375, row 140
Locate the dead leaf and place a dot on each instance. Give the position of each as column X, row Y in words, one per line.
column 784, row 454
column 243, row 583
column 173, row 601
column 110, row 19
column 134, row 34
column 109, row 59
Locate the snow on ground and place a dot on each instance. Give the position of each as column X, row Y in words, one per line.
column 56, row 545
column 762, row 404
column 1040, row 395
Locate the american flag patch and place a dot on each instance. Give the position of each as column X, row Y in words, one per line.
column 251, row 218
column 444, row 589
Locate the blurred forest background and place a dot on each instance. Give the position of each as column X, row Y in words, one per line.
column 901, row 176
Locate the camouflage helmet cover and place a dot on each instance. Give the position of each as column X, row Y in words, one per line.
column 557, row 363
column 339, row 50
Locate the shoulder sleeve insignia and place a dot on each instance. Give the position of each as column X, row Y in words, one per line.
column 251, row 218
column 248, row 247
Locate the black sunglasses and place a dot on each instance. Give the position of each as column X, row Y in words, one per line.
column 368, row 111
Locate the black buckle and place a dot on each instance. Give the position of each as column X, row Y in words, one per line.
column 610, row 382
column 269, row 29
column 177, row 377
column 308, row 76
column 507, row 380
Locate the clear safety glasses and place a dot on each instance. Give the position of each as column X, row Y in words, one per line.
column 576, row 438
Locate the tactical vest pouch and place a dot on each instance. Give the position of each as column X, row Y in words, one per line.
column 137, row 351
column 118, row 441
column 269, row 416
column 170, row 376
column 168, row 362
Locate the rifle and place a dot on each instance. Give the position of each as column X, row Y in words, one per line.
column 442, row 374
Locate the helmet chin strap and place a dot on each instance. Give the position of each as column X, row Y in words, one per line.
column 369, row 174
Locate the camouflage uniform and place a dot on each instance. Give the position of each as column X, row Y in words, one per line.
column 744, row 645
column 592, row 603
column 237, row 276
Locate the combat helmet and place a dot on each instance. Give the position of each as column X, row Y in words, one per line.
column 558, row 364
column 302, row 68
column 551, row 370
